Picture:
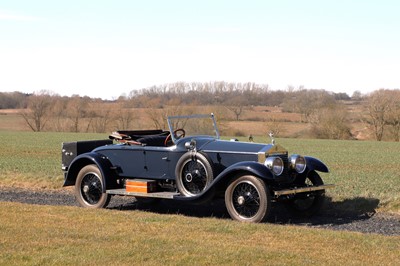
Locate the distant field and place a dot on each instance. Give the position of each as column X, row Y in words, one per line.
column 255, row 120
column 366, row 173
column 11, row 121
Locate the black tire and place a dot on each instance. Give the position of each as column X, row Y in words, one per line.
column 307, row 204
column 89, row 188
column 193, row 174
column 247, row 199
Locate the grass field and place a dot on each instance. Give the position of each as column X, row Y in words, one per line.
column 48, row 235
column 366, row 174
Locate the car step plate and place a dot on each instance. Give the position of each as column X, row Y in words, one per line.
column 162, row 195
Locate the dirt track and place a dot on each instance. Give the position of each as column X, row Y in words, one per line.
column 378, row 223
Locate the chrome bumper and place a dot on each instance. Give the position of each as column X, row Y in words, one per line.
column 301, row 190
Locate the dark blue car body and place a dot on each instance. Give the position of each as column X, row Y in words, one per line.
column 193, row 168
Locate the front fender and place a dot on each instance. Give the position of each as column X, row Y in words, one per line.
column 229, row 173
column 100, row 161
column 315, row 164
column 254, row 168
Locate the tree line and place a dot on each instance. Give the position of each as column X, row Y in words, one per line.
column 213, row 93
column 324, row 111
column 13, row 100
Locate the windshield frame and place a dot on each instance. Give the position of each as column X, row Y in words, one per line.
column 195, row 116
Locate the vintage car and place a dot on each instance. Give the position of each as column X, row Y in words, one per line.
column 191, row 163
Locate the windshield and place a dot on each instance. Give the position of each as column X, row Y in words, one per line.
column 193, row 125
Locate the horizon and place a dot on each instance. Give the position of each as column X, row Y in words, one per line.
column 105, row 50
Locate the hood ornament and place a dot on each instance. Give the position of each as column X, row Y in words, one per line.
column 271, row 135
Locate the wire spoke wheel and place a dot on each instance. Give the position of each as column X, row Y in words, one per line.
column 307, row 204
column 247, row 199
column 89, row 188
column 194, row 177
column 194, row 174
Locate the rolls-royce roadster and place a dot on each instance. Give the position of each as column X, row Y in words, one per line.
column 189, row 162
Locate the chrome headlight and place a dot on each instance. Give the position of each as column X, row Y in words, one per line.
column 297, row 163
column 275, row 164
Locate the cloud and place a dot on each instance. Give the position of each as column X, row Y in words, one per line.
column 8, row 15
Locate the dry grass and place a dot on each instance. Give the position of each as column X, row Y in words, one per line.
column 254, row 120
column 11, row 121
column 46, row 235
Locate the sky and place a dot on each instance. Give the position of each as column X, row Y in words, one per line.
column 106, row 49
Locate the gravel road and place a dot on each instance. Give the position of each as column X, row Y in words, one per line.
column 378, row 223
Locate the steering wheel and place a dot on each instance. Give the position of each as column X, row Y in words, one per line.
column 178, row 134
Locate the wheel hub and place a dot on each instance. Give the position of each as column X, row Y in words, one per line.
column 85, row 189
column 241, row 200
column 189, row 177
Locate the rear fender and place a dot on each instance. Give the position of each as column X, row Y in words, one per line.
column 313, row 164
column 100, row 161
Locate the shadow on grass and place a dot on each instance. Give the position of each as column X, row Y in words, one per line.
column 333, row 213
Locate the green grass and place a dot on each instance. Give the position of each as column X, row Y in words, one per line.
column 34, row 158
column 366, row 173
column 49, row 235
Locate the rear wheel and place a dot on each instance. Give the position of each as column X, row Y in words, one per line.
column 247, row 199
column 307, row 204
column 89, row 188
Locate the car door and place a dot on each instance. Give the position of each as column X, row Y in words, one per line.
column 156, row 163
column 128, row 160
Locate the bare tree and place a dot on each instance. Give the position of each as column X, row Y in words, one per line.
column 76, row 110
column 357, row 96
column 37, row 113
column 99, row 116
column 307, row 102
column 378, row 106
column 275, row 127
column 59, row 114
column 393, row 118
column 331, row 123
column 124, row 116
column 237, row 105
column 159, row 116
column 100, row 122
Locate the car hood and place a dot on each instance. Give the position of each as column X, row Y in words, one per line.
column 241, row 147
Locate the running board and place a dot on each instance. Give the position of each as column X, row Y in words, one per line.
column 161, row 195
column 301, row 190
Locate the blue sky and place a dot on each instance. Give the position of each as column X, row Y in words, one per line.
column 108, row 48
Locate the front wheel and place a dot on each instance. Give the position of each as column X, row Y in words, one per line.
column 307, row 204
column 247, row 199
column 89, row 188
